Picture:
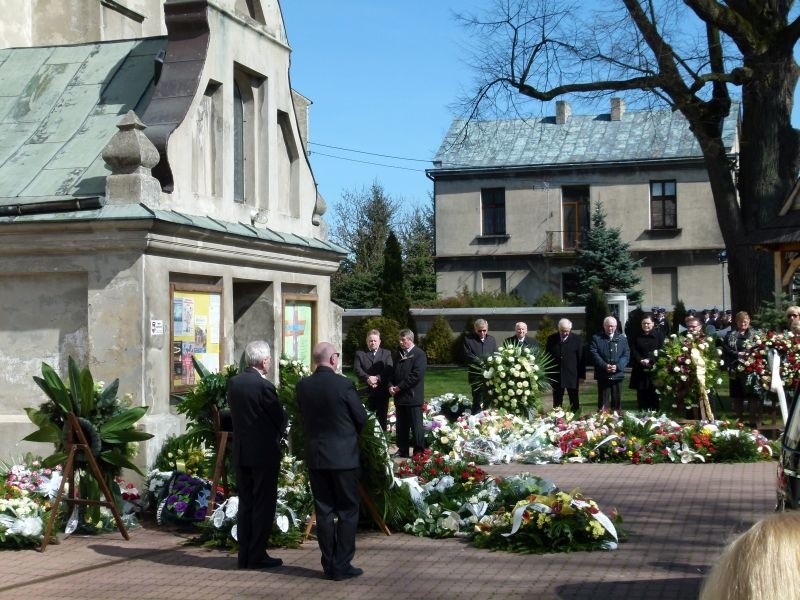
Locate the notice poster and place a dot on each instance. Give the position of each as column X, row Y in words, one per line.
column 196, row 319
column 298, row 329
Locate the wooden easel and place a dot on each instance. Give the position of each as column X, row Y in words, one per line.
column 373, row 511
column 220, row 470
column 76, row 442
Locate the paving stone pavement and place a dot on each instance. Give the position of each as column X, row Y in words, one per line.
column 678, row 518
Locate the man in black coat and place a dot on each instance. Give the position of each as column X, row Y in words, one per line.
column 408, row 391
column 643, row 347
column 566, row 348
column 610, row 355
column 521, row 338
column 477, row 346
column 259, row 423
column 373, row 368
column 333, row 418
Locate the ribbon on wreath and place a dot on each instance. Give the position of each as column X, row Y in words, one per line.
column 776, row 382
column 700, row 372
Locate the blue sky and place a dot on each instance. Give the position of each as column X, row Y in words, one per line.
column 381, row 75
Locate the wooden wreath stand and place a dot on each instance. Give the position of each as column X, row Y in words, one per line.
column 76, row 442
column 373, row 511
column 220, row 470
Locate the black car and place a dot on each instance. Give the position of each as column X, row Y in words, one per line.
column 789, row 465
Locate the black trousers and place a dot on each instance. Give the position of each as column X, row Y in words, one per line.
column 258, row 493
column 609, row 395
column 574, row 401
column 336, row 505
column 379, row 404
column 409, row 421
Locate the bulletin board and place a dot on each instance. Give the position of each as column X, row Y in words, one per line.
column 196, row 330
column 299, row 326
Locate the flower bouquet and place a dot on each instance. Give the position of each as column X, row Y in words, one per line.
column 451, row 405
column 185, row 499
column 756, row 363
column 514, row 378
column 686, row 370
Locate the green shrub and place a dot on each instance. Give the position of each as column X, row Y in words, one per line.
column 549, row 299
column 547, row 327
column 438, row 342
column 357, row 335
column 468, row 299
column 772, row 314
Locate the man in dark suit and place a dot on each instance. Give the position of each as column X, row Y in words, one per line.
column 408, row 390
column 521, row 338
column 610, row 355
column 259, row 422
column 333, row 418
column 566, row 348
column 373, row 368
column 477, row 346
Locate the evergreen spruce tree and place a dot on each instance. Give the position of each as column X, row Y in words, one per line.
column 604, row 261
column 596, row 311
column 394, row 301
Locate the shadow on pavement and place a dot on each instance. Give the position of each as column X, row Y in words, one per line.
column 182, row 558
column 663, row 588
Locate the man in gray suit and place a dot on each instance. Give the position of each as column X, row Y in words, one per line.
column 333, row 418
column 373, row 368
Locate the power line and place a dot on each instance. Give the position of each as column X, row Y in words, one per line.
column 366, row 162
column 371, row 153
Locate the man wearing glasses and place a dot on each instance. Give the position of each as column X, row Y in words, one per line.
column 478, row 346
column 333, row 418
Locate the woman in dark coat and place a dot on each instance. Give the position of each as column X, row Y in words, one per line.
column 643, row 348
column 734, row 350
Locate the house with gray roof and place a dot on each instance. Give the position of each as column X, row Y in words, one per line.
column 156, row 200
column 513, row 200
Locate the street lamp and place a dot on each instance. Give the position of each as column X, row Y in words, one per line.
column 723, row 258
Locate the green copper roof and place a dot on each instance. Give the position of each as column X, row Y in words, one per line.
column 638, row 136
column 60, row 105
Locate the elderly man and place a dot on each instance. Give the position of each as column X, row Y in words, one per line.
column 259, row 422
column 521, row 338
column 566, row 348
column 477, row 346
column 333, row 418
column 610, row 355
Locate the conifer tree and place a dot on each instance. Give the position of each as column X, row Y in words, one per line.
column 394, row 301
column 596, row 312
column 604, row 261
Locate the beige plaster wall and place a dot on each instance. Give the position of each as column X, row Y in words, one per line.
column 284, row 195
column 533, row 207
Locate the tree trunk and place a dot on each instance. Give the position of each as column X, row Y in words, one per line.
column 767, row 170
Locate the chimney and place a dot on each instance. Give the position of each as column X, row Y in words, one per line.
column 563, row 112
column 617, row 109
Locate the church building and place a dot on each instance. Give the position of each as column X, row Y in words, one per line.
column 156, row 199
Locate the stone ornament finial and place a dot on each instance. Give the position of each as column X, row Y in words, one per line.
column 131, row 157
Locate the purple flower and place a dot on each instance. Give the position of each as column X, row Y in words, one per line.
column 180, row 507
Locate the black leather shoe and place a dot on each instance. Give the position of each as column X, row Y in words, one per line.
column 267, row 563
column 349, row 574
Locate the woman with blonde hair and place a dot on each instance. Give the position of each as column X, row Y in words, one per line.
column 761, row 564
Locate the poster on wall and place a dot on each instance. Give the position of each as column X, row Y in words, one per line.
column 298, row 328
column 196, row 319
